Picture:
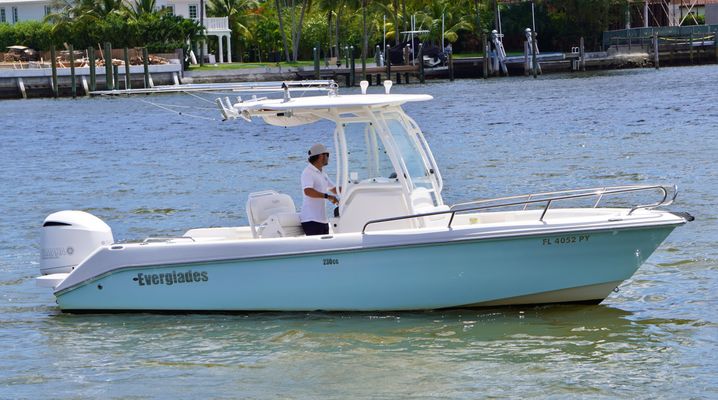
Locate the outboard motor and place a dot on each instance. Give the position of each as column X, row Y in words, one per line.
column 68, row 237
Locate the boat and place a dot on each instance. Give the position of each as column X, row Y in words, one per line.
column 393, row 245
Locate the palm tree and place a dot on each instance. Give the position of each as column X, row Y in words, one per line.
column 331, row 7
column 139, row 8
column 295, row 26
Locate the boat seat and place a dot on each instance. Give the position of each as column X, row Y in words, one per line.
column 272, row 214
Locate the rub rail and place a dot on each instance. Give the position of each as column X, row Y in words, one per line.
column 668, row 195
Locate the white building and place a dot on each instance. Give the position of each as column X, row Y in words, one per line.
column 13, row 11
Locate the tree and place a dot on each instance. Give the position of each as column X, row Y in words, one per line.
column 296, row 24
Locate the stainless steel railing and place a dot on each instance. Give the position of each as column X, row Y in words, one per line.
column 668, row 195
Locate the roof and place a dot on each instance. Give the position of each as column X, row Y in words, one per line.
column 321, row 102
column 310, row 109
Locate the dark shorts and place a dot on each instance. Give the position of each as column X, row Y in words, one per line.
column 315, row 228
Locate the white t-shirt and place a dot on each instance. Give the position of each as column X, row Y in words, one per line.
column 313, row 209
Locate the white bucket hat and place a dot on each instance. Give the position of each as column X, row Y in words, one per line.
column 317, row 149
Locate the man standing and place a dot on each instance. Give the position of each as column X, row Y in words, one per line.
column 316, row 186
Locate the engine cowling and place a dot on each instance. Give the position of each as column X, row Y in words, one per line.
column 68, row 237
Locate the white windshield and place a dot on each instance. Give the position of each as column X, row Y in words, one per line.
column 409, row 150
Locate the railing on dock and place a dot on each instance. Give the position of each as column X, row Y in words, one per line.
column 642, row 36
column 668, row 195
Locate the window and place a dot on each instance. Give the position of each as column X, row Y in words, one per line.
column 193, row 11
column 14, row 15
column 48, row 10
column 366, row 156
column 2, row 14
column 170, row 9
column 411, row 154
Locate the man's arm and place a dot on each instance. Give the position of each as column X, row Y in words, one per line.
column 313, row 193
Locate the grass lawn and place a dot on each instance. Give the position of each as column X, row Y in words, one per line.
column 230, row 66
column 301, row 63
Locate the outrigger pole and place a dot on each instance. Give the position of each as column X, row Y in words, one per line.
column 278, row 86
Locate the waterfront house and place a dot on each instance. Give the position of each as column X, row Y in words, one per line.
column 13, row 11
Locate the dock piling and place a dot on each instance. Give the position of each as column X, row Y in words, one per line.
column 128, row 80
column 146, row 65
column 655, row 50
column 21, row 87
column 109, row 84
column 315, row 53
column 93, row 68
column 346, row 56
column 421, row 63
column 582, row 55
column 451, row 67
column 353, row 70
column 534, row 50
column 73, row 80
column 116, row 76
column 527, row 67
column 387, row 62
column 85, row 88
column 690, row 46
column 53, row 63
column 486, row 56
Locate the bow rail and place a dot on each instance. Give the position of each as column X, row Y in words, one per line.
column 668, row 196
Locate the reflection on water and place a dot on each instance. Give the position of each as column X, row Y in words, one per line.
column 457, row 353
column 146, row 173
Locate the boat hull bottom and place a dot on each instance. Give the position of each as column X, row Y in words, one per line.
column 592, row 294
column 588, row 295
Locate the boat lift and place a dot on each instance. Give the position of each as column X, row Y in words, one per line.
column 410, row 34
column 500, row 59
